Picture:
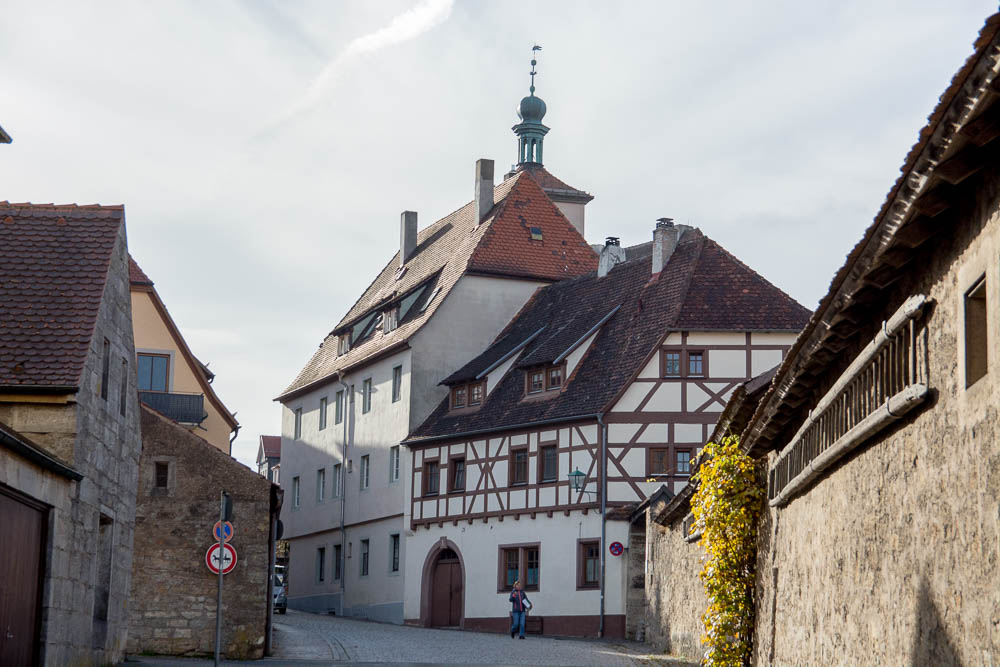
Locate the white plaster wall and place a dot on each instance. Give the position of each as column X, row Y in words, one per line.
column 716, row 338
column 494, row 377
column 764, row 360
column 479, row 544
column 574, row 357
column 727, row 363
column 575, row 213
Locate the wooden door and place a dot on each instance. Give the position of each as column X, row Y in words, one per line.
column 22, row 543
column 446, row 591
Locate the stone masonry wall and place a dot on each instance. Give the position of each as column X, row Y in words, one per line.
column 173, row 592
column 893, row 557
column 635, row 593
column 675, row 597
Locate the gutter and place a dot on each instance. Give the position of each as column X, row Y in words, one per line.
column 38, row 457
column 413, row 442
column 350, row 368
column 37, row 389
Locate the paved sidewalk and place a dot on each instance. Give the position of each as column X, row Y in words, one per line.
column 311, row 639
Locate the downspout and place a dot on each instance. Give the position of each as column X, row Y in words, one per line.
column 602, row 429
column 343, row 497
column 236, row 432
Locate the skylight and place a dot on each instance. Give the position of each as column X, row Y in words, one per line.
column 536, row 233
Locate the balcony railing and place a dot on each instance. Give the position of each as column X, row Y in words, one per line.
column 183, row 408
column 884, row 382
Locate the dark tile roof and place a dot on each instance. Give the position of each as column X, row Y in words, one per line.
column 271, row 445
column 136, row 275
column 640, row 250
column 451, row 247
column 4, row 137
column 54, row 263
column 649, row 308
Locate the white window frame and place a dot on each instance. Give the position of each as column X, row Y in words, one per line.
column 320, row 485
column 296, row 492
column 365, row 471
column 337, row 474
column 298, row 423
column 366, row 396
column 397, row 383
column 338, row 416
column 323, row 406
column 394, row 464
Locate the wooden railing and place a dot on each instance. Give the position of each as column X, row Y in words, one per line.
column 884, row 382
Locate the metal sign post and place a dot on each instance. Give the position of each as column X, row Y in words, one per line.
column 225, row 508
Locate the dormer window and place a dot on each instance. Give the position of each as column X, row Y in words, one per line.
column 554, row 378
column 467, row 395
column 344, row 343
column 390, row 320
column 458, row 395
column 536, row 382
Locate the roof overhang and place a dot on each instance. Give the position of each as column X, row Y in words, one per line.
column 417, row 442
column 350, row 368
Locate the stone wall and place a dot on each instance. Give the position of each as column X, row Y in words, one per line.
column 892, row 557
column 173, row 593
column 635, row 592
column 675, row 597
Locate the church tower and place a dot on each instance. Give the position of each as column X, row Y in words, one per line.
column 530, row 131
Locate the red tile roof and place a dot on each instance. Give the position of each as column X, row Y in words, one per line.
column 54, row 263
column 552, row 185
column 136, row 275
column 500, row 244
column 271, row 444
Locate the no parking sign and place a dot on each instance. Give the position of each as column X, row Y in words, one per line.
column 616, row 549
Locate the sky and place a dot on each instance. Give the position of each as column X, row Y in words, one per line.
column 264, row 150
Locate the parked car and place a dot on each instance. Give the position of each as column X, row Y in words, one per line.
column 280, row 593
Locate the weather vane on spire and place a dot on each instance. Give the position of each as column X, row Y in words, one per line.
column 533, row 63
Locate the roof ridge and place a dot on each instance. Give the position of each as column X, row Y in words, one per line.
column 689, row 276
column 49, row 205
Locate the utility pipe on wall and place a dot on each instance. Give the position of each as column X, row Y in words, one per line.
column 602, row 431
column 343, row 497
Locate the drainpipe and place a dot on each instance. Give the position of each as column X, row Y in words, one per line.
column 602, row 429
column 236, row 432
column 343, row 496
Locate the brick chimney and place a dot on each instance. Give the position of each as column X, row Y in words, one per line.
column 611, row 255
column 407, row 235
column 665, row 238
column 484, row 188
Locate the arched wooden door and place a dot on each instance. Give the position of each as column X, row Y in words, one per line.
column 447, row 590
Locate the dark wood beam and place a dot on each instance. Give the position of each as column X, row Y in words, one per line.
column 935, row 201
column 985, row 127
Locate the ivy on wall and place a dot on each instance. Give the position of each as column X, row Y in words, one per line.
column 726, row 508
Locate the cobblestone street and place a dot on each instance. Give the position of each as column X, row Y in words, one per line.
column 302, row 638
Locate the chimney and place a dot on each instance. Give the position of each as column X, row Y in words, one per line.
column 407, row 235
column 665, row 238
column 484, row 188
column 612, row 254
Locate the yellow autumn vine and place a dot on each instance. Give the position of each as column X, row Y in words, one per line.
column 726, row 508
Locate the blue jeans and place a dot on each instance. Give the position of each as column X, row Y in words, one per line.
column 517, row 622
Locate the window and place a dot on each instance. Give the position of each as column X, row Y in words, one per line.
column 337, row 479
column 457, row 475
column 683, row 462
column 321, row 485
column 339, row 411
column 123, row 389
column 659, row 461
column 553, row 378
column 975, row 333
column 475, row 394
column 519, row 466
column 536, row 233
column 397, row 383
column 458, row 397
column 295, row 491
column 365, row 460
column 298, row 423
column 390, row 320
column 588, row 564
column 321, row 564
column 432, row 478
column 105, row 369
column 394, row 553
column 344, row 344
column 519, row 563
column 162, row 474
column 671, row 364
column 337, row 561
column 364, row 558
column 153, row 372
column 394, row 463
column 322, row 413
column 366, row 396
column 695, row 363
column 536, row 381
column 549, row 463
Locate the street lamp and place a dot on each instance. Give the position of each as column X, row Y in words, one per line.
column 577, row 480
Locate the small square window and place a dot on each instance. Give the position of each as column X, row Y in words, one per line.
column 554, row 377
column 476, row 394
column 683, row 462
column 696, row 363
column 458, row 397
column 659, row 461
column 536, row 233
column 536, row 381
column 671, row 364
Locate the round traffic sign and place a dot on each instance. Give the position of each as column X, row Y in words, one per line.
column 228, row 530
column 616, row 549
column 228, row 558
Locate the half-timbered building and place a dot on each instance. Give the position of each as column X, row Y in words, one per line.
column 596, row 394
